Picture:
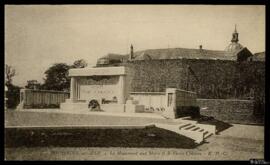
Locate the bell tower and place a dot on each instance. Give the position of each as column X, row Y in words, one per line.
column 234, row 45
column 235, row 35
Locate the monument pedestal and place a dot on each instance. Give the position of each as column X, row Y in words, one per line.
column 74, row 106
column 134, row 108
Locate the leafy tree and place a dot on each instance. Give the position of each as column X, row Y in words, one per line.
column 79, row 64
column 33, row 84
column 56, row 77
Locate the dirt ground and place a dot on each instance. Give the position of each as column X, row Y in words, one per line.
column 239, row 142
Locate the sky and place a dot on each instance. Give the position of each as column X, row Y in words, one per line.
column 37, row 36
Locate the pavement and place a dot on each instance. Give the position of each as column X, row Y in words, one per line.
column 145, row 115
column 55, row 117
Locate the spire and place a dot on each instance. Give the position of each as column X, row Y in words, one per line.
column 235, row 35
column 234, row 45
column 235, row 31
column 131, row 52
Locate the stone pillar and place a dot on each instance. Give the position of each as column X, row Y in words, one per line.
column 75, row 89
column 72, row 89
column 122, row 89
column 171, row 97
column 170, row 103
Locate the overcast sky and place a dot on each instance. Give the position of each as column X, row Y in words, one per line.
column 38, row 36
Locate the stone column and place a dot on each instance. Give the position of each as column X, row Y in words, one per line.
column 170, row 103
column 72, row 89
column 122, row 89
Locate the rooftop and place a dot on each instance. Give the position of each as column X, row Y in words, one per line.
column 177, row 53
column 260, row 56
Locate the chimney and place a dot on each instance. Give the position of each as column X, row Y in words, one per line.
column 131, row 56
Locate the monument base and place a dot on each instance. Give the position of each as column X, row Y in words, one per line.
column 113, row 108
column 80, row 105
column 133, row 108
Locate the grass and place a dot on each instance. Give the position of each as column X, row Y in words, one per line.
column 239, row 142
column 48, row 137
column 146, row 137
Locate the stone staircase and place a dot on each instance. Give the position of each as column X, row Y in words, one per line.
column 197, row 132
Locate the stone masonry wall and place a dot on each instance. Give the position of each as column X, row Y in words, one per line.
column 210, row 79
column 232, row 111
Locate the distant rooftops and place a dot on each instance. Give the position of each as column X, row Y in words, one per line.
column 180, row 53
column 174, row 53
column 234, row 51
column 260, row 56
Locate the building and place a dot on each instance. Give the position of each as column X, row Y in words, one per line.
column 259, row 56
column 233, row 52
column 231, row 74
column 227, row 84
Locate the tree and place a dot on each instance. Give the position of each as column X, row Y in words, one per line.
column 56, row 77
column 79, row 64
column 9, row 73
column 13, row 93
column 33, row 84
column 13, row 96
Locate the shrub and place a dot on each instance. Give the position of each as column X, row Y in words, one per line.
column 193, row 111
column 13, row 96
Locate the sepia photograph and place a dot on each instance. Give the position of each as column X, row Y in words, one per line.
column 134, row 82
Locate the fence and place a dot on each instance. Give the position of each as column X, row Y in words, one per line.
column 30, row 98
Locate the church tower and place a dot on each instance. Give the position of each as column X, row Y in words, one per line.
column 234, row 45
column 235, row 35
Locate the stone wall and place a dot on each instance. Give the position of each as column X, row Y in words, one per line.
column 229, row 110
column 157, row 75
column 210, row 79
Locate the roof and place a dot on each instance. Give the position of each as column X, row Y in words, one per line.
column 143, row 56
column 260, row 56
column 179, row 53
column 234, row 46
column 114, row 56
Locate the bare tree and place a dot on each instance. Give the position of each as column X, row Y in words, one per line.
column 9, row 73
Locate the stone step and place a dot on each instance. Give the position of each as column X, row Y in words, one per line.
column 197, row 132
column 208, row 134
column 185, row 125
column 185, row 118
column 192, row 126
column 195, row 129
column 201, row 130
column 205, row 132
